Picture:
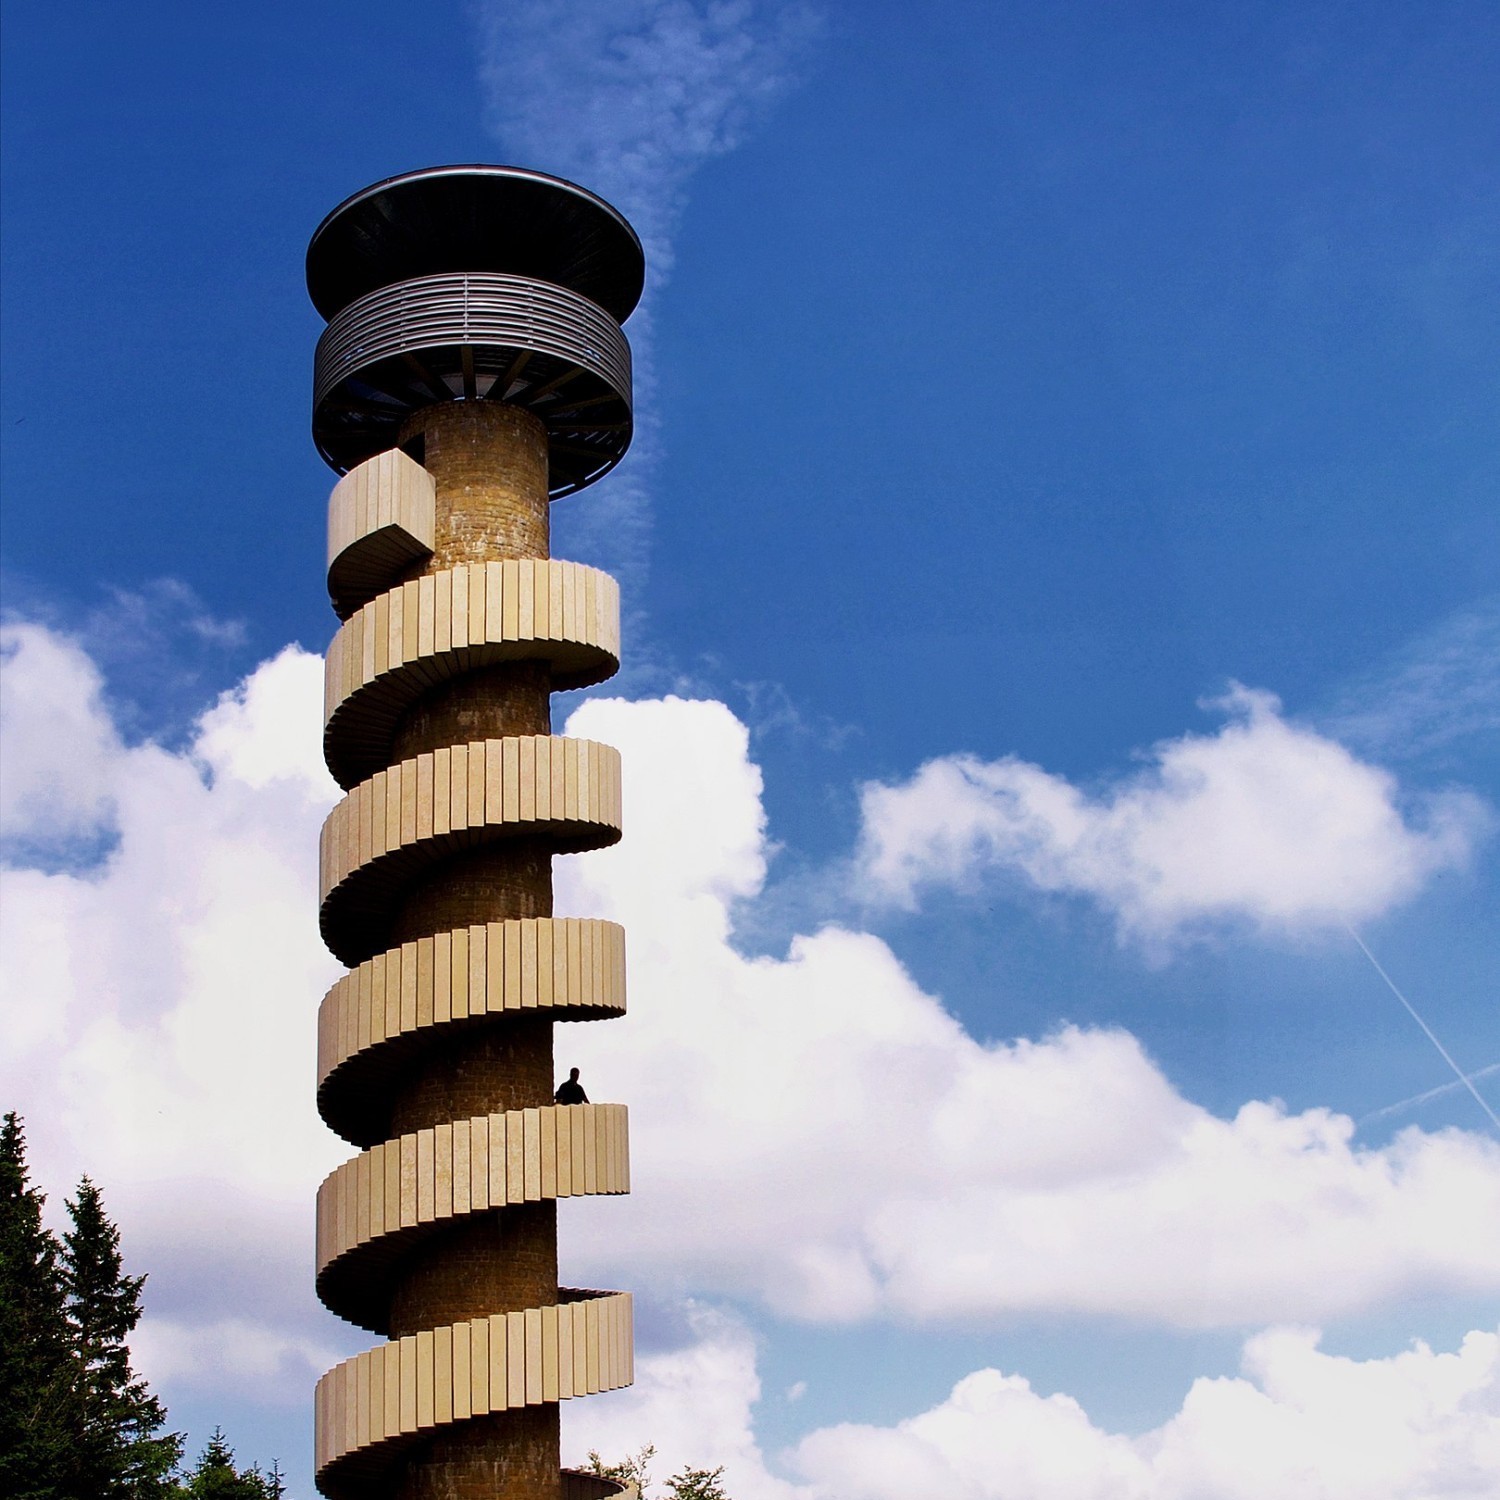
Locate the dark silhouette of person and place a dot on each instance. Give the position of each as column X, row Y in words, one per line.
column 571, row 1092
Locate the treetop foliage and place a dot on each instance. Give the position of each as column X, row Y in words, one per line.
column 76, row 1421
column 686, row 1484
column 215, row 1477
column 36, row 1370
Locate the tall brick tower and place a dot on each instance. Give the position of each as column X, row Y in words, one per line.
column 473, row 369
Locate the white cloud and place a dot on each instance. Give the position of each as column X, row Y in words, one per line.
column 1297, row 1424
column 811, row 1131
column 1417, row 1426
column 233, row 1356
column 1265, row 823
column 1440, row 688
column 878, row 1159
column 158, row 1007
column 631, row 97
column 694, row 1404
column 56, row 741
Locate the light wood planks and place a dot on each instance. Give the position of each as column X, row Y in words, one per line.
column 380, row 519
column 471, row 1166
column 433, row 628
column 558, row 964
column 410, row 814
column 433, row 1379
column 529, row 779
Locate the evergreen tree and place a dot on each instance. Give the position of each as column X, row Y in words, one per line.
column 119, row 1448
column 76, row 1422
column 35, row 1367
column 215, row 1477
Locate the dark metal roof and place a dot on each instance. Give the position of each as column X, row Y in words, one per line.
column 442, row 220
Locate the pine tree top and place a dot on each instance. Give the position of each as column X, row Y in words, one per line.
column 215, row 1477
column 75, row 1418
column 36, row 1368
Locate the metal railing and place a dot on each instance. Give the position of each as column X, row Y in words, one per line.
column 480, row 309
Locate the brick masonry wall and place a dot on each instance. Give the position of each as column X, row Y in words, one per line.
column 503, row 1262
column 503, row 1457
column 489, row 463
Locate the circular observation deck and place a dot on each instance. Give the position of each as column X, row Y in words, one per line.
column 477, row 283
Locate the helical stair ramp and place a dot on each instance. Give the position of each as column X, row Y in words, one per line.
column 472, row 370
column 399, row 820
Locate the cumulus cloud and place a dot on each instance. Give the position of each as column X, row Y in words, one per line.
column 694, row 1404
column 812, row 1131
column 883, row 1161
column 54, row 784
column 152, row 998
column 1296, row 1423
column 233, row 1357
column 1266, row 823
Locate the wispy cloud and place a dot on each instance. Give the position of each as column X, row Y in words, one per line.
column 161, row 653
column 630, row 98
column 1441, row 687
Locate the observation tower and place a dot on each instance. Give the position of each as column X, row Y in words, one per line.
column 473, row 370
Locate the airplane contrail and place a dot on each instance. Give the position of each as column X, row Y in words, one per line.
column 1459, row 1073
column 1487, row 1071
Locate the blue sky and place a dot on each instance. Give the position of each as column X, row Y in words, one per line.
column 1064, row 507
